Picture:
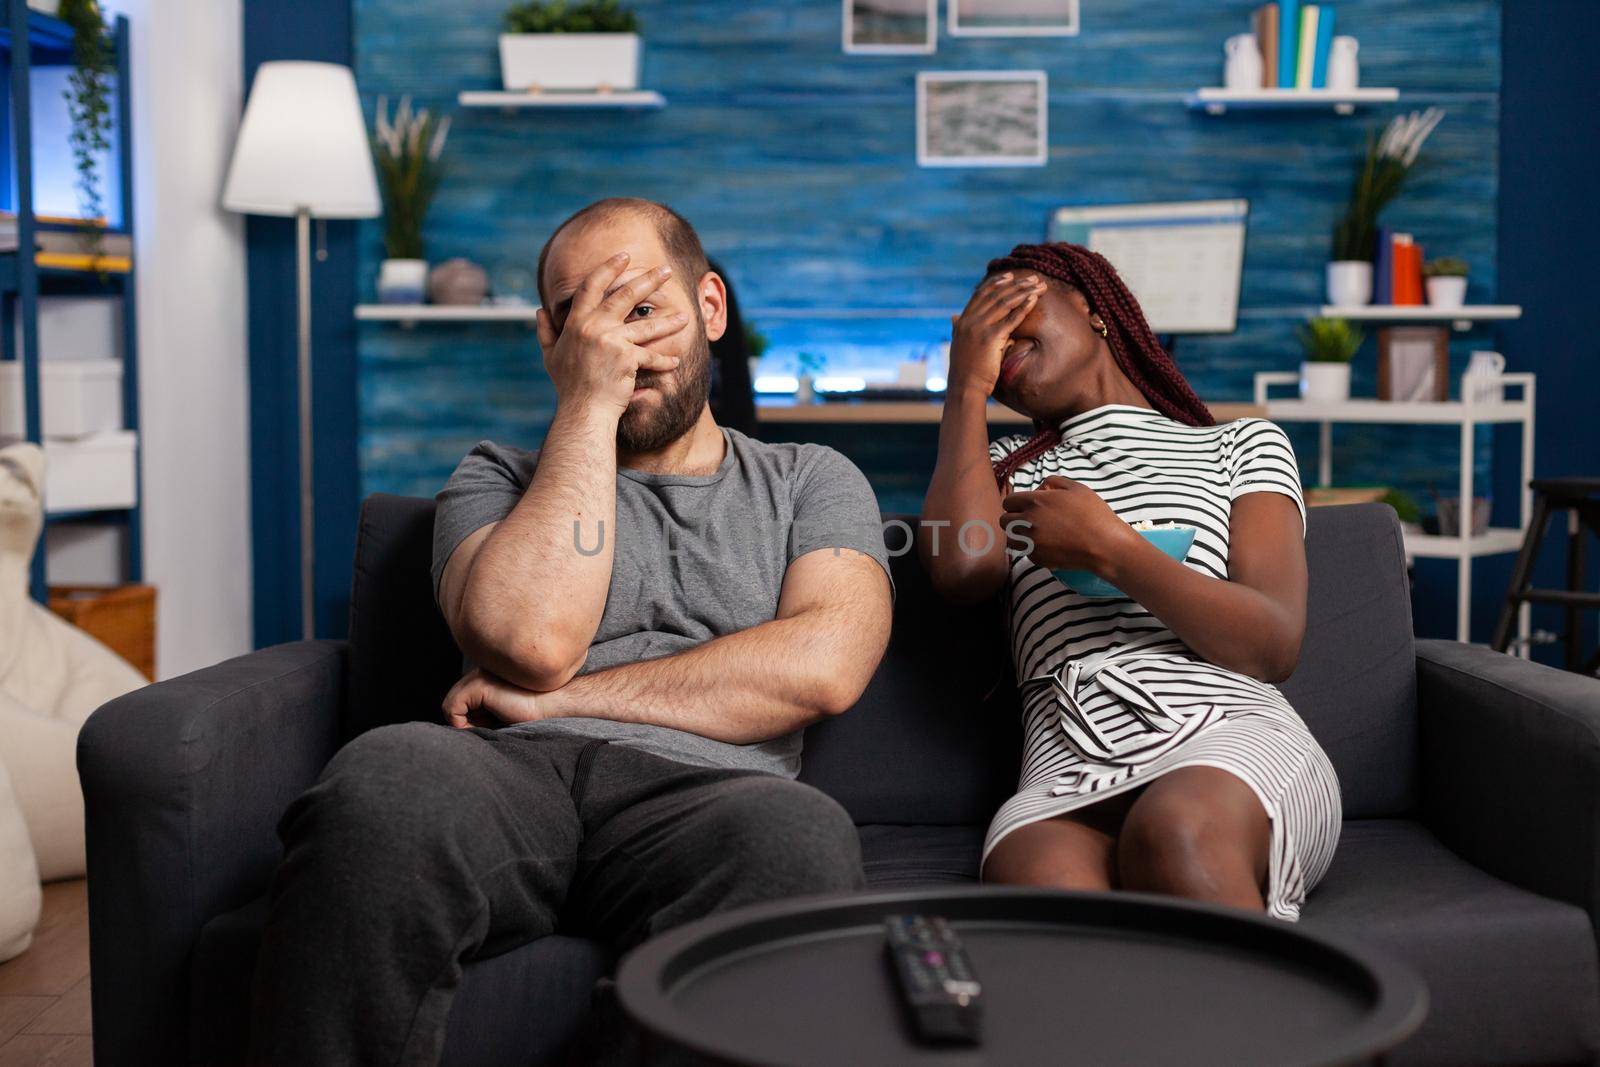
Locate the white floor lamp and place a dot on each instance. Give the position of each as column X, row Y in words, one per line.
column 303, row 151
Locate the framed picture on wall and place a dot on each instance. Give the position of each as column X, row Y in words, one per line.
column 979, row 118
column 1013, row 18
column 1413, row 363
column 890, row 27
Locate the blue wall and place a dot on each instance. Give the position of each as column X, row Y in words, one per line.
column 797, row 163
column 316, row 31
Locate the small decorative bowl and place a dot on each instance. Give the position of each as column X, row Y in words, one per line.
column 1175, row 541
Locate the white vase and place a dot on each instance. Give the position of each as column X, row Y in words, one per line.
column 1325, row 383
column 1349, row 283
column 402, row 281
column 569, row 61
column 805, row 389
column 1446, row 292
column 1344, row 71
column 1242, row 62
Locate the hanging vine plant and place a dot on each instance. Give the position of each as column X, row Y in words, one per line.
column 89, row 105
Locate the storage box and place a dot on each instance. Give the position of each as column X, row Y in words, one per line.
column 90, row 472
column 76, row 397
column 121, row 617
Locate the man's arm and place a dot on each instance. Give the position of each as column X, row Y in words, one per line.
column 524, row 596
column 812, row 661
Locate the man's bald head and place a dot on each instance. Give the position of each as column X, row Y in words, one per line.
column 682, row 244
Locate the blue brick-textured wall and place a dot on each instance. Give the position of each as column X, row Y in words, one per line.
column 797, row 164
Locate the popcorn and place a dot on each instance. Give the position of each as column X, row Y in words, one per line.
column 1146, row 524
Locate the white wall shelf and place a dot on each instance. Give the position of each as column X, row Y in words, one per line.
column 1218, row 101
column 511, row 101
column 1461, row 318
column 411, row 314
column 1468, row 416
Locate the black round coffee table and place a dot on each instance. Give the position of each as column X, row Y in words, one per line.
column 1068, row 978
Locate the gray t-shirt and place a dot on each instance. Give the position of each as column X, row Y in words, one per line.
column 696, row 557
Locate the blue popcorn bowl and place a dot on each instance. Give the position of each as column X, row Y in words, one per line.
column 1175, row 541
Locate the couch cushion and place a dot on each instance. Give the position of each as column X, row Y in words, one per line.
column 897, row 857
column 522, row 1007
column 1512, row 977
column 402, row 657
column 937, row 736
column 1356, row 684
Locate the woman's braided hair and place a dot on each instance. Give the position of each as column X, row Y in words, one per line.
column 1128, row 335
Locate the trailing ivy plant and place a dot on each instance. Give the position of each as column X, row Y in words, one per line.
column 89, row 105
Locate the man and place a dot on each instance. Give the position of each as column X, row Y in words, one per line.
column 656, row 608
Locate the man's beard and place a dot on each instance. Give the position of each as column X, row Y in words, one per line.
column 645, row 429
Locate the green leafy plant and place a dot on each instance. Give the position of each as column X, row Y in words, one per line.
column 1329, row 340
column 1445, row 267
column 810, row 363
column 1404, row 505
column 407, row 152
column 1384, row 169
column 755, row 342
column 570, row 16
column 88, row 96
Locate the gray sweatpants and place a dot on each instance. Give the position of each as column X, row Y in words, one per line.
column 421, row 847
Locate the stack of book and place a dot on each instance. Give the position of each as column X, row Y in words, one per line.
column 62, row 243
column 1294, row 39
column 1397, row 269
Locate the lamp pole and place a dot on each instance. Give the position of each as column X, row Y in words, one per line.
column 308, row 526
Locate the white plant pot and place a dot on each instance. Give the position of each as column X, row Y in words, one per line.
column 1446, row 292
column 1349, row 283
column 1325, row 383
column 402, row 281
column 569, row 61
column 805, row 389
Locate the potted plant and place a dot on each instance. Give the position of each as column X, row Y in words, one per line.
column 1446, row 282
column 807, row 366
column 569, row 44
column 89, row 107
column 1383, row 172
column 1329, row 346
column 755, row 345
column 407, row 152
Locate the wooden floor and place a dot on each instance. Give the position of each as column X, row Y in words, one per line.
column 44, row 993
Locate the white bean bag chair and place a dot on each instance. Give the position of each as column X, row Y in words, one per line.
column 52, row 676
column 19, row 876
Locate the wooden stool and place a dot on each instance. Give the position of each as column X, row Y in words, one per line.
column 1581, row 497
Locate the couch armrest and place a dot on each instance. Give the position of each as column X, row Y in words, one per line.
column 1510, row 756
column 183, row 784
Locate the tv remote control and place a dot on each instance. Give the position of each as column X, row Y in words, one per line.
column 937, row 984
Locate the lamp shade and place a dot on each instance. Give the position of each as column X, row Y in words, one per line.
column 303, row 144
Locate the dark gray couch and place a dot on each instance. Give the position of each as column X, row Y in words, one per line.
column 1471, row 791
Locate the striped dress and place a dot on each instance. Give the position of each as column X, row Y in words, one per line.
column 1112, row 698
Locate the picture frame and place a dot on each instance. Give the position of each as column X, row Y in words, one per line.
column 887, row 27
column 983, row 118
column 1413, row 363
column 1013, row 18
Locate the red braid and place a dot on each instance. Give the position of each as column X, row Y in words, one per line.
column 1128, row 335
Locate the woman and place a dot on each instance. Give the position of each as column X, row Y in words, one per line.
column 1157, row 754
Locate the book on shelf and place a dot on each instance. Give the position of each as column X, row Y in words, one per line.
column 1383, row 267
column 1319, row 62
column 84, row 261
column 1406, row 264
column 1288, row 41
column 1265, row 24
column 1305, row 53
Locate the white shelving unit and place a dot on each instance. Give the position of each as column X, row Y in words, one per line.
column 1461, row 318
column 411, row 314
column 1217, row 101
column 633, row 98
column 1467, row 415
